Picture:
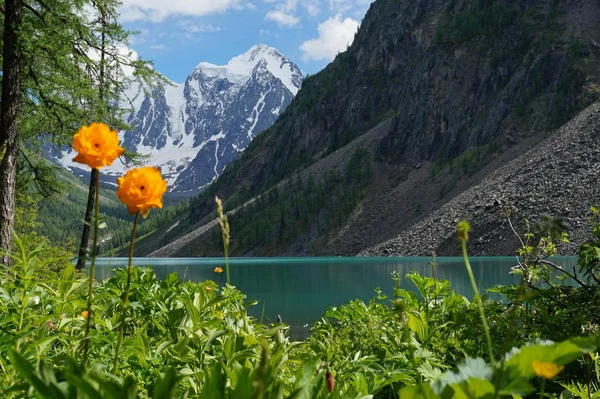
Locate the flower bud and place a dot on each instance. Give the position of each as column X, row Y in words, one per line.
column 330, row 381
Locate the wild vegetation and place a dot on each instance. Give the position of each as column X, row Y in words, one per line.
column 171, row 338
column 65, row 335
column 196, row 339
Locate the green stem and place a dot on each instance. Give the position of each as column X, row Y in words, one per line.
column 126, row 296
column 509, row 335
column 227, row 261
column 21, row 323
column 88, row 324
column 486, row 328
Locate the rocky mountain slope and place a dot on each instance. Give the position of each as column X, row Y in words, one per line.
column 194, row 129
column 460, row 88
column 559, row 177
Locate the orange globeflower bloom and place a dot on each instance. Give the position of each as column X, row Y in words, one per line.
column 218, row 270
column 97, row 146
column 141, row 189
column 546, row 370
column 85, row 314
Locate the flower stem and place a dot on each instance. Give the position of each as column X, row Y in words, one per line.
column 88, row 324
column 486, row 328
column 126, row 296
column 226, row 245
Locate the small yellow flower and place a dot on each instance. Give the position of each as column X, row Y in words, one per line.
column 207, row 288
column 546, row 370
column 218, row 270
column 85, row 314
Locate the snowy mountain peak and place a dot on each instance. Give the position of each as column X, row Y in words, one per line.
column 194, row 129
column 239, row 69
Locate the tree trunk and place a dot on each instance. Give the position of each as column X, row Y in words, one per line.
column 87, row 225
column 85, row 233
column 9, row 129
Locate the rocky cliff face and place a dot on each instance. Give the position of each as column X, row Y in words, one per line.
column 557, row 178
column 460, row 84
column 194, row 129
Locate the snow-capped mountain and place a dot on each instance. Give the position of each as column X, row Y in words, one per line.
column 194, row 129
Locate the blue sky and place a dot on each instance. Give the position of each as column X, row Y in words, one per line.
column 179, row 34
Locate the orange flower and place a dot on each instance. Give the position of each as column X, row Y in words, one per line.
column 546, row 370
column 97, row 146
column 218, row 270
column 141, row 189
column 207, row 288
column 85, row 314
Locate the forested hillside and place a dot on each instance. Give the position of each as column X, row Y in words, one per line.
column 60, row 217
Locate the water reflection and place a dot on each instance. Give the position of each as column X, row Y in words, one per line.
column 301, row 289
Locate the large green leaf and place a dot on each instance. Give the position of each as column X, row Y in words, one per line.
column 520, row 359
column 418, row 325
column 26, row 370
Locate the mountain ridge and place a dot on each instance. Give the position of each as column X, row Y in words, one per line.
column 191, row 130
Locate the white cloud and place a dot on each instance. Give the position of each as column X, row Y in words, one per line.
column 285, row 12
column 158, row 47
column 335, row 35
column 312, row 9
column 157, row 10
column 282, row 18
column 342, row 6
column 191, row 29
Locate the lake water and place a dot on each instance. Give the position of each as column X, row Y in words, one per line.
column 301, row 289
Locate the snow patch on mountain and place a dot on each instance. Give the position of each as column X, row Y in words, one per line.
column 192, row 130
column 239, row 69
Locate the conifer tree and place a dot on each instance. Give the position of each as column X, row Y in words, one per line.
column 65, row 64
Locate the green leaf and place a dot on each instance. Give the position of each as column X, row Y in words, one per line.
column 84, row 387
column 192, row 310
column 214, row 384
column 597, row 231
column 243, row 384
column 25, row 369
column 418, row 325
column 474, row 388
column 549, row 352
column 306, row 372
column 130, row 388
column 166, row 387
column 517, row 387
column 163, row 346
column 423, row 391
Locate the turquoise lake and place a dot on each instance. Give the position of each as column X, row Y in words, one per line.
column 301, row 289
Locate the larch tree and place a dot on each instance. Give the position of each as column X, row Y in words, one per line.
column 65, row 64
